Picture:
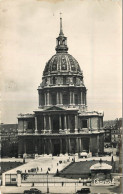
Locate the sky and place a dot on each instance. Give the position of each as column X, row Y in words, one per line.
column 27, row 41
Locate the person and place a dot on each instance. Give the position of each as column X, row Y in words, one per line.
column 62, row 184
column 41, row 169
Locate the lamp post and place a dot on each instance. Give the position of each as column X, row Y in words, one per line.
column 47, row 182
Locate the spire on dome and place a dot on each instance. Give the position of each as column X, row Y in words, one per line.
column 61, row 31
column 61, row 41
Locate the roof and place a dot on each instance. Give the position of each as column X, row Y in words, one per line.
column 102, row 166
column 63, row 63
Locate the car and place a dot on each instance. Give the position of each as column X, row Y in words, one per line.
column 32, row 191
column 83, row 190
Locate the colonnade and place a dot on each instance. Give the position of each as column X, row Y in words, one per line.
column 59, row 98
column 60, row 144
column 63, row 125
column 47, row 145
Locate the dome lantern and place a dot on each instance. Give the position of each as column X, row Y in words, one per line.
column 61, row 41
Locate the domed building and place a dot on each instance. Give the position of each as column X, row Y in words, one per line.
column 61, row 124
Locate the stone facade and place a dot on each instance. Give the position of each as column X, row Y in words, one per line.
column 61, row 124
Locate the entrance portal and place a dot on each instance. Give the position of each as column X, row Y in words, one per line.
column 56, row 149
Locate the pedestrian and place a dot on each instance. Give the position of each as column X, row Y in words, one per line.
column 41, row 169
column 62, row 184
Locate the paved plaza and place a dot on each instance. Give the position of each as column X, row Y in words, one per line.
column 53, row 163
column 59, row 184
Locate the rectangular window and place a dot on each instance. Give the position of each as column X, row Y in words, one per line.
column 84, row 123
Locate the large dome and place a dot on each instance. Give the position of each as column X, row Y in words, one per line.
column 62, row 63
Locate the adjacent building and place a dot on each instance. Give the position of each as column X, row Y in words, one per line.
column 61, row 124
column 113, row 132
column 9, row 140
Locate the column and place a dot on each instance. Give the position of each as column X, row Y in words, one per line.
column 70, row 98
column 69, row 123
column 77, row 146
column 80, row 145
column 50, row 123
column 76, row 124
column 69, row 146
column 36, row 130
column 25, row 126
column 50, row 146
column 44, row 122
column 73, row 98
column 85, row 99
column 61, row 99
column 81, row 98
column 60, row 146
column 57, row 98
column 65, row 123
column 45, row 98
column 60, row 124
column 48, row 100
column 90, row 123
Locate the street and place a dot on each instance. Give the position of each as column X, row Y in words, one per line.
column 58, row 188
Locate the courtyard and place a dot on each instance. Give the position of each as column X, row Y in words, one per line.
column 64, row 174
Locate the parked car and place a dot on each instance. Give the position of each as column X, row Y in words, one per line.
column 32, row 191
column 83, row 190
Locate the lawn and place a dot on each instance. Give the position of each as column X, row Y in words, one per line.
column 79, row 169
column 5, row 166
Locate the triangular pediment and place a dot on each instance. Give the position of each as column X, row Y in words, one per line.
column 54, row 108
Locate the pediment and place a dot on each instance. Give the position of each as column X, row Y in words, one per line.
column 54, row 108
